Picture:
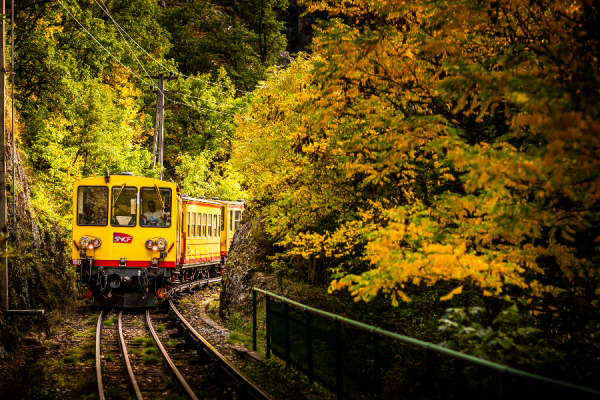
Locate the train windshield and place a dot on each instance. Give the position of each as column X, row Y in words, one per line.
column 124, row 206
column 156, row 207
column 92, row 205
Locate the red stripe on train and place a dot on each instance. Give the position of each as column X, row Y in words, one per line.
column 129, row 263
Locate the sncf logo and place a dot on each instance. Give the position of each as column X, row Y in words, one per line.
column 122, row 238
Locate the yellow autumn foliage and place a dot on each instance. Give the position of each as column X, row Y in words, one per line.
column 429, row 143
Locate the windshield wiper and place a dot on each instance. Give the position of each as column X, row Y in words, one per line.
column 162, row 203
column 117, row 198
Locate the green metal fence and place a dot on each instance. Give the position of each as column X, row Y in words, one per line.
column 357, row 361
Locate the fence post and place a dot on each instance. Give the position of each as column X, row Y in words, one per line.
column 376, row 364
column 309, row 355
column 254, row 311
column 287, row 334
column 268, row 327
column 429, row 383
column 338, row 360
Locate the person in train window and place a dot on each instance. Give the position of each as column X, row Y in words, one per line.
column 152, row 216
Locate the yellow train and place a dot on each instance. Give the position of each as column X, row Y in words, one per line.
column 136, row 237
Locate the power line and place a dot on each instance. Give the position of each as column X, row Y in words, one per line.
column 100, row 44
column 129, row 70
column 103, row 8
column 205, row 109
column 159, row 63
column 210, row 101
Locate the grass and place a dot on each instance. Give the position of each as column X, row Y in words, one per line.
column 160, row 328
column 151, row 350
column 109, row 358
column 170, row 383
column 114, row 392
column 92, row 320
column 213, row 306
column 135, row 351
column 145, row 340
column 239, row 338
column 69, row 330
column 237, row 322
column 172, row 342
column 80, row 354
column 138, row 323
column 111, row 321
column 151, row 359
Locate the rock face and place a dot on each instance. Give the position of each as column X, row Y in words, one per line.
column 246, row 267
column 299, row 27
column 39, row 277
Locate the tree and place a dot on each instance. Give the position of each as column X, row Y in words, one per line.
column 243, row 37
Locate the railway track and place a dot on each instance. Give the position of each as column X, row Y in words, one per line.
column 157, row 354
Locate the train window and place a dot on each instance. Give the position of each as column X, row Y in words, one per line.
column 156, row 207
column 214, row 225
column 238, row 219
column 230, row 220
column 188, row 224
column 222, row 219
column 123, row 206
column 203, row 225
column 193, row 224
column 209, row 226
column 92, row 205
column 199, row 226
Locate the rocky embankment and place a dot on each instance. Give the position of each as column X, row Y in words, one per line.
column 247, row 267
column 39, row 274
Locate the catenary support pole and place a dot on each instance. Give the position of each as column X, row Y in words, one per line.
column 161, row 96
column 3, row 208
column 157, row 148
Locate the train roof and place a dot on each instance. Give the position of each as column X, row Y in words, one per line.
column 114, row 179
column 232, row 202
column 188, row 198
column 211, row 201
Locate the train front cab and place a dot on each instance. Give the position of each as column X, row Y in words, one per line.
column 124, row 238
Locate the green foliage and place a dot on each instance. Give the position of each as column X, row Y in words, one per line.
column 440, row 146
column 236, row 322
column 243, row 37
column 509, row 340
column 199, row 179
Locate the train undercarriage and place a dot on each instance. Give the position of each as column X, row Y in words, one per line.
column 125, row 287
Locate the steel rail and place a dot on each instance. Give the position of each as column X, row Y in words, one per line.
column 249, row 386
column 170, row 362
column 197, row 282
column 130, row 375
column 98, row 357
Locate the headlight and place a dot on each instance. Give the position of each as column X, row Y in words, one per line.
column 84, row 242
column 149, row 244
column 161, row 243
column 97, row 242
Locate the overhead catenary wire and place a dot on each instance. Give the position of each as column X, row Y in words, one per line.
column 159, row 63
column 210, row 101
column 100, row 44
column 129, row 70
column 205, row 109
column 103, row 8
